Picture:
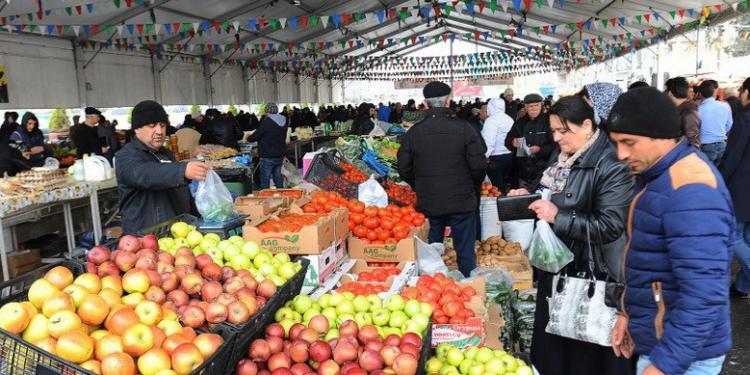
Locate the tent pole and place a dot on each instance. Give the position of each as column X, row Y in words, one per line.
column 450, row 62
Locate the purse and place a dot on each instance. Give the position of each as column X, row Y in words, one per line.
column 516, row 207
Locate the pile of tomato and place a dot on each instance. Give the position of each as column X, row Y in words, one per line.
column 401, row 193
column 289, row 223
column 353, row 174
column 378, row 274
column 325, row 202
column 292, row 193
column 447, row 298
column 362, row 288
column 379, row 264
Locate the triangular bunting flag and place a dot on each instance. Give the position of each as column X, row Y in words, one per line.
column 324, row 20
column 76, row 29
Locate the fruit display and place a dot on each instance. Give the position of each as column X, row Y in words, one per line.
column 447, row 298
column 401, row 193
column 289, row 222
column 352, row 174
column 107, row 325
column 488, row 190
column 473, row 360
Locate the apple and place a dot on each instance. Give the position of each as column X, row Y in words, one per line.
column 97, row 255
column 169, row 327
column 226, row 298
column 129, row 243
column 216, row 313
column 14, row 318
column 149, row 312
column 125, row 260
column 302, row 303
column 133, row 299
column 113, row 282
column 107, row 345
column 137, row 339
column 238, row 312
column 193, row 316
column 58, row 302
column 136, row 281
column 150, row 241
column 186, row 358
column 328, row 367
column 93, row 310
column 62, row 322
column 40, row 291
column 251, row 249
column 145, row 263
column 75, row 347
column 153, row 361
column 93, row 366
column 208, row 343
column 59, row 276
column 345, row 307
column 179, row 229
column 120, row 319
column 178, row 297
column 36, row 329
column 397, row 319
column 279, row 360
column 30, row 308
column 442, row 351
column 381, row 317
column 173, row 341
column 118, row 364
column 192, row 283
column 90, row 281
column 433, row 365
column 239, row 261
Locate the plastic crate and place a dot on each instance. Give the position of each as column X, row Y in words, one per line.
column 164, row 228
column 225, row 229
column 18, row 357
column 254, row 328
column 426, row 351
column 325, row 173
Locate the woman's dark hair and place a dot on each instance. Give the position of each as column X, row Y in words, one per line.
column 573, row 109
column 745, row 85
column 26, row 117
column 736, row 105
column 584, row 93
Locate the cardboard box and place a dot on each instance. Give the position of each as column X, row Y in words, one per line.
column 20, row 262
column 312, row 239
column 405, row 249
column 493, row 326
column 324, row 265
column 340, row 217
column 257, row 207
column 288, row 200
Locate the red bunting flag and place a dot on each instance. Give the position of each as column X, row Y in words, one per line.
column 527, row 4
column 217, row 26
column 445, row 37
column 438, row 11
column 391, row 13
column 718, row 8
column 321, row 45
column 39, row 14
column 176, row 27
column 139, row 27
column 347, row 18
column 79, row 9
column 681, row 12
column 481, row 6
column 129, row 3
column 647, row 17
column 545, row 28
column 303, row 20
column 579, row 25
column 613, row 21
column 94, row 29
column 351, row 43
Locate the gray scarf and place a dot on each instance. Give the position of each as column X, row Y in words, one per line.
column 555, row 176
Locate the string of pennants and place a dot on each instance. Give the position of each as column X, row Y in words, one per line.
column 310, row 21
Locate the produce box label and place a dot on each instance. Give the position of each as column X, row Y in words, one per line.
column 324, row 265
column 459, row 335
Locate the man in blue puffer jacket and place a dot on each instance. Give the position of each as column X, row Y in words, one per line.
column 675, row 308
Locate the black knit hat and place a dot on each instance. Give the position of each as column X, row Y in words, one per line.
column 91, row 111
column 148, row 112
column 646, row 112
column 436, row 89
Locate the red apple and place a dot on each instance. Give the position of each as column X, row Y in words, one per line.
column 208, row 343
column 147, row 253
column 163, row 267
column 156, row 294
column 183, row 270
column 259, row 350
column 145, row 263
column 184, row 260
column 344, row 352
column 375, row 345
column 409, row 348
column 150, row 241
column 203, row 260
column 301, row 369
column 389, row 354
column 186, row 358
column 165, row 257
column 367, row 333
column 276, row 344
column 405, row 364
column 234, row 284
column 244, row 292
column 251, row 303
column 249, row 280
column 266, row 288
column 246, row 367
column 349, row 328
column 108, row 268
column 92, row 268
column 308, row 334
column 154, row 277
column 98, row 255
column 212, row 271
column 392, row 340
column 193, row 316
column 178, row 297
column 129, row 243
column 238, row 313
column 261, row 301
column 294, row 331
column 169, row 282
column 216, row 313
column 275, row 329
column 228, row 272
column 210, row 290
column 320, row 351
column 411, row 338
column 279, row 360
column 225, row 299
column 125, row 260
column 192, row 283
column 298, row 351
column 329, row 367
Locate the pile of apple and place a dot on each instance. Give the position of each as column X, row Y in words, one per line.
column 88, row 321
column 474, row 361
column 198, row 289
column 447, row 298
column 395, row 316
column 359, row 351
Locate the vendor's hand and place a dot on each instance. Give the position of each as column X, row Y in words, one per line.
column 197, row 170
column 622, row 343
column 545, row 210
column 535, row 149
column 652, row 370
column 37, row 150
column 515, row 143
column 105, row 149
column 517, row 192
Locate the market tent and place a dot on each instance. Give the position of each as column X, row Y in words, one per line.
column 109, row 53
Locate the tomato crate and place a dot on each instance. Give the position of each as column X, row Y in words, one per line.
column 247, row 332
column 325, row 173
column 18, row 357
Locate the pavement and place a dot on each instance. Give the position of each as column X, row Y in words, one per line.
column 738, row 359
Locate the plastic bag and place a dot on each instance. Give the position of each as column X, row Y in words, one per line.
column 429, row 258
column 291, row 173
column 520, row 231
column 213, row 199
column 492, row 276
column 546, row 251
column 372, row 194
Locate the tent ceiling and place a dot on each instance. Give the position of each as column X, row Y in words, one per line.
column 367, row 30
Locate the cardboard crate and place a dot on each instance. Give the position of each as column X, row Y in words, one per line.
column 257, row 207
column 493, row 326
column 288, row 201
column 312, row 239
column 20, row 262
column 473, row 332
column 404, row 250
column 340, row 217
column 324, row 265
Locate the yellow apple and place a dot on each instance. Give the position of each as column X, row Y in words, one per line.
column 77, row 293
column 98, row 334
column 153, row 361
column 186, row 358
column 14, row 318
column 91, row 282
column 169, row 314
column 120, row 319
column 136, row 281
column 93, row 366
column 132, row 300
column 40, row 291
column 166, row 372
column 170, row 326
column 37, row 329
column 75, row 347
column 59, row 302
column 63, row 322
column 149, row 312
column 112, row 282
column 107, row 345
column 48, row 345
column 30, row 308
column 208, row 343
column 118, row 364
column 94, row 309
column 111, row 296
column 137, row 339
column 59, row 276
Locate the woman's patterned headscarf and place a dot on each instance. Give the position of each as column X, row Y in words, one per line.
column 603, row 95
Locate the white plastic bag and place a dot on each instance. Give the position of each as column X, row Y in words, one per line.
column 546, row 251
column 372, row 194
column 429, row 258
column 213, row 199
column 519, row 231
column 291, row 173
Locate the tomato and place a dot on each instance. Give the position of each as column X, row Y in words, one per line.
column 371, row 222
column 365, row 276
column 384, row 235
column 442, row 319
column 360, row 231
column 356, row 218
column 372, row 235
column 418, row 221
column 371, row 211
column 457, row 320
column 400, row 235
column 452, row 308
column 356, row 206
column 386, row 224
column 382, row 212
column 469, row 291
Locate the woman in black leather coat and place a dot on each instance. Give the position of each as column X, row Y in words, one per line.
column 587, row 185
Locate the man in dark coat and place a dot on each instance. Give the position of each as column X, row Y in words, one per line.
column 531, row 133
column 271, row 138
column 442, row 158
column 12, row 160
column 86, row 136
column 677, row 90
column 221, row 130
column 152, row 186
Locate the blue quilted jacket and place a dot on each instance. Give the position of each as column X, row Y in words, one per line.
column 677, row 264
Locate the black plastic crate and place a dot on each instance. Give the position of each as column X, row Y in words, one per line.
column 426, row 352
column 255, row 327
column 325, row 173
column 224, row 229
column 16, row 288
column 164, row 228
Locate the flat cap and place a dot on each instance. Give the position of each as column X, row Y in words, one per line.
column 436, row 89
column 532, row 98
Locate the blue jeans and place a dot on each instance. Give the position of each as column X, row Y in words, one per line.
column 710, row 366
column 714, row 151
column 499, row 170
column 271, row 168
column 464, row 233
column 742, row 254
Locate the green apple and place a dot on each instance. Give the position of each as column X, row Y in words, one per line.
column 524, row 370
column 412, row 326
column 333, row 333
column 496, row 366
column 442, row 351
column 397, row 319
column 297, row 317
column 179, row 229
column 471, row 352
column 343, row 318
column 433, row 365
column 330, row 313
column 448, row 369
column 302, row 303
column 454, row 357
column 412, row 308
column 325, row 300
column 363, row 319
column 194, row 238
column 311, row 313
column 422, row 322
column 287, row 270
column 231, row 250
column 381, row 317
column 282, row 258
column 510, row 363
column 499, row 352
column 425, row 308
column 166, row 243
column 336, row 299
column 395, row 303
column 223, row 244
column 345, row 307
column 284, row 313
column 266, row 269
column 381, row 331
column 484, row 355
column 251, row 249
column 207, row 243
column 236, row 240
column 261, row 258
column 275, row 263
column 376, row 303
column 392, row 331
column 349, row 296
column 476, row 369
column 361, row 304
column 213, row 236
column 240, row 261
column 198, row 251
column 180, row 242
column 465, row 365
column 215, row 253
column 287, row 324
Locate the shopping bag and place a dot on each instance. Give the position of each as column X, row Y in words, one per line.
column 213, row 200
column 371, row 193
column 429, row 260
column 291, row 174
column 546, row 252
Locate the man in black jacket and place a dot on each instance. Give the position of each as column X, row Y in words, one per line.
column 12, row 160
column 271, row 138
column 532, row 134
column 86, row 136
column 220, row 129
column 442, row 158
column 153, row 187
